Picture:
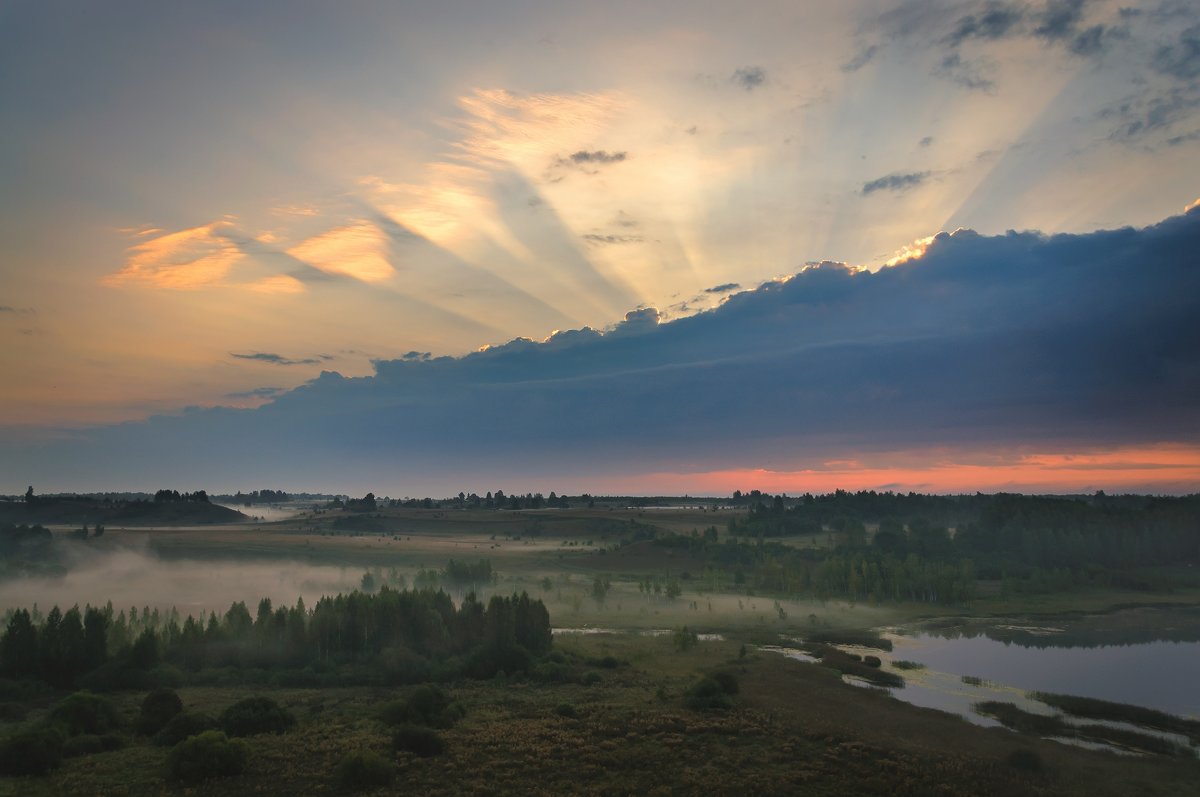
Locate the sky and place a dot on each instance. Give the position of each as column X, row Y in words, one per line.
column 674, row 247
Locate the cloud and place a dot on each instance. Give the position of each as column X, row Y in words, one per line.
column 861, row 58
column 1063, row 342
column 198, row 257
column 357, row 249
column 995, row 21
column 279, row 359
column 597, row 239
column 724, row 287
column 597, row 156
column 1059, row 20
column 895, row 182
column 749, row 77
column 968, row 74
column 1180, row 59
column 256, row 393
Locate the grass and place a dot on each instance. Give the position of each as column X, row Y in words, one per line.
column 1091, row 708
column 1041, row 725
column 791, row 728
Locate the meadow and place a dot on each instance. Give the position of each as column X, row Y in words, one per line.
column 625, row 701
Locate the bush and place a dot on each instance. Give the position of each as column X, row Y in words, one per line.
column 12, row 712
column 426, row 705
column 707, row 694
column 872, row 661
column 727, row 680
column 31, row 752
column 425, row 742
column 364, row 769
column 208, row 755
column 158, row 708
column 181, row 726
column 256, row 715
column 566, row 710
column 1025, row 760
column 84, row 712
column 590, row 678
column 81, row 745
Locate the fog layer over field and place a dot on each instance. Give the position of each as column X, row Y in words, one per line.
column 133, row 578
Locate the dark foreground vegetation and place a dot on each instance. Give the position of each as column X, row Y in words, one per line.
column 655, row 719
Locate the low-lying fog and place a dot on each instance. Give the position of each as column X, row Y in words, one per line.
column 132, row 578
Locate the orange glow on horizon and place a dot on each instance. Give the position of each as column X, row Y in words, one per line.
column 1167, row 468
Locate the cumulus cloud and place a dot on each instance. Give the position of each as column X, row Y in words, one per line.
column 1063, row 341
column 749, row 77
column 895, row 182
column 279, row 359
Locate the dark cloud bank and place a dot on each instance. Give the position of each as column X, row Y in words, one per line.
column 1053, row 342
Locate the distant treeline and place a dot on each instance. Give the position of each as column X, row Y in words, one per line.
column 1025, row 543
column 391, row 636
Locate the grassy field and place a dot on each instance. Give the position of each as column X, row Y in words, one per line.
column 794, row 728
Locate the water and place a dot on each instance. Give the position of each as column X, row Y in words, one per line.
column 1159, row 675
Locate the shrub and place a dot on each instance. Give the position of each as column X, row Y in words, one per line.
column 81, row 745
column 84, row 712
column 727, row 680
column 425, row 742
column 590, row 678
column 31, row 752
column 364, row 769
column 12, row 712
column 181, row 726
column 707, row 694
column 256, row 715
column 1025, row 760
column 566, row 710
column 872, row 661
column 158, row 708
column 905, row 664
column 208, row 755
column 426, row 705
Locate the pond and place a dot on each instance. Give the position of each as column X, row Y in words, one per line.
column 1141, row 657
column 1160, row 675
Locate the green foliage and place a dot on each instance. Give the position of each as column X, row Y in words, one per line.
column 256, row 715
column 424, row 742
column 707, row 694
column 84, row 712
column 364, row 769
column 566, row 710
column 426, row 705
column 1025, row 760
column 905, row 664
column 208, row 755
column 33, row 751
column 727, row 681
column 90, row 744
column 158, row 708
column 685, row 639
column 183, row 725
